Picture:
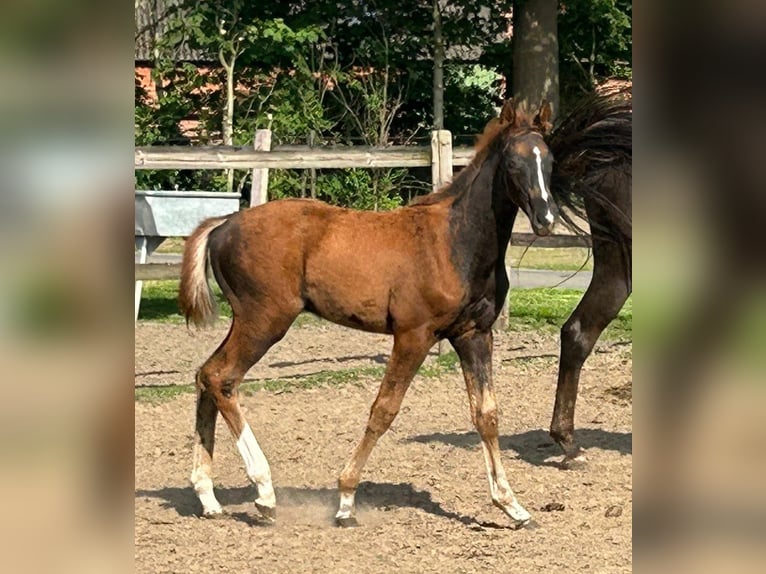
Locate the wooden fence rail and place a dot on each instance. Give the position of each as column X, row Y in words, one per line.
column 228, row 157
column 441, row 157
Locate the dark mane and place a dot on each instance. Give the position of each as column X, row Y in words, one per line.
column 494, row 133
column 593, row 151
column 452, row 189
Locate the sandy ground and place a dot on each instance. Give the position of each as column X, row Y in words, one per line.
column 423, row 504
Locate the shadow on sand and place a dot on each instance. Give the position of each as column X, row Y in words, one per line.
column 381, row 496
column 536, row 446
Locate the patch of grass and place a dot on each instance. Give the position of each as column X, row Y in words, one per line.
column 159, row 302
column 556, row 259
column 172, row 245
column 161, row 394
column 314, row 380
column 547, row 309
column 442, row 364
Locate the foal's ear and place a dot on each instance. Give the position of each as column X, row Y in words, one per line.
column 542, row 120
column 508, row 113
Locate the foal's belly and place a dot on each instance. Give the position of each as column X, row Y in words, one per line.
column 352, row 304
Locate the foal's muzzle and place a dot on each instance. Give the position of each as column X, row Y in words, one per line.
column 542, row 216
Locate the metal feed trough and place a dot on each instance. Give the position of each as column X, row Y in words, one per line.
column 163, row 214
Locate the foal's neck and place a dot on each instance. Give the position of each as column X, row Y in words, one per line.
column 481, row 218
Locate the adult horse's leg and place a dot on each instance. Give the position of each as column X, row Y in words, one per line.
column 409, row 351
column 475, row 352
column 605, row 296
column 217, row 382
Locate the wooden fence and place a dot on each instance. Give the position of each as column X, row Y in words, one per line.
column 441, row 157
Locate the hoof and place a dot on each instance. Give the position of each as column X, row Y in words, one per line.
column 517, row 513
column 349, row 522
column 577, row 462
column 267, row 512
column 528, row 525
column 212, row 514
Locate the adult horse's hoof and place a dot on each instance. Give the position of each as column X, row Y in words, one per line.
column 212, row 514
column 348, row 522
column 576, row 462
column 267, row 512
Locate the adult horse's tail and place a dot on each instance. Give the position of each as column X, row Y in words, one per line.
column 592, row 148
column 195, row 297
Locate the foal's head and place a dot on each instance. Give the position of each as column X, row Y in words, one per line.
column 526, row 162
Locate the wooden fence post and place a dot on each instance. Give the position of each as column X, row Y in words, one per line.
column 259, row 193
column 441, row 158
column 441, row 170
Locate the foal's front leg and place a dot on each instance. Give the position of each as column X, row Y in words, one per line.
column 409, row 351
column 475, row 352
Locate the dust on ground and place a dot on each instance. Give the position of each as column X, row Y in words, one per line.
column 423, row 504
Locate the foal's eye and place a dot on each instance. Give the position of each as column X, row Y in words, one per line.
column 517, row 164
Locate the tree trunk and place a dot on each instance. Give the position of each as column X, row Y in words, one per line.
column 438, row 68
column 536, row 53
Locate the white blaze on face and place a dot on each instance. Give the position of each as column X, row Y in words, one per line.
column 541, row 182
column 257, row 466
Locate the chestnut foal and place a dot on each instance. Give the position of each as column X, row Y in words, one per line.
column 432, row 270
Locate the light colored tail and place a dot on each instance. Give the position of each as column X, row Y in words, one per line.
column 195, row 297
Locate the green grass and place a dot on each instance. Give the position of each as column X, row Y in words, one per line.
column 531, row 309
column 543, row 309
column 555, row 259
column 159, row 302
column 159, row 394
column 547, row 309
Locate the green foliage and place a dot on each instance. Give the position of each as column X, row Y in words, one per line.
column 470, row 96
column 595, row 43
column 351, row 72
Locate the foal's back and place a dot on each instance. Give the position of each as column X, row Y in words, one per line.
column 377, row 271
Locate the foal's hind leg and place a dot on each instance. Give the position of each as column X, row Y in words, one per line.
column 475, row 352
column 409, row 351
column 204, row 437
column 606, row 294
column 218, row 380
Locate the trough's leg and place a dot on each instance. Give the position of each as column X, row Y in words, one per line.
column 142, row 254
column 601, row 303
column 409, row 351
column 475, row 352
column 202, row 468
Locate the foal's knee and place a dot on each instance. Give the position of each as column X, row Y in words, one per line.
column 486, row 423
column 218, row 385
column 382, row 415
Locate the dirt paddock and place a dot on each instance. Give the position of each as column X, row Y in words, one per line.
column 424, row 502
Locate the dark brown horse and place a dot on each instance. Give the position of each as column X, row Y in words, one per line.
column 428, row 271
column 592, row 177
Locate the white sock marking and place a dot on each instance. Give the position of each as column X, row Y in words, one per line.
column 203, row 486
column 541, row 182
column 346, row 509
column 257, row 467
